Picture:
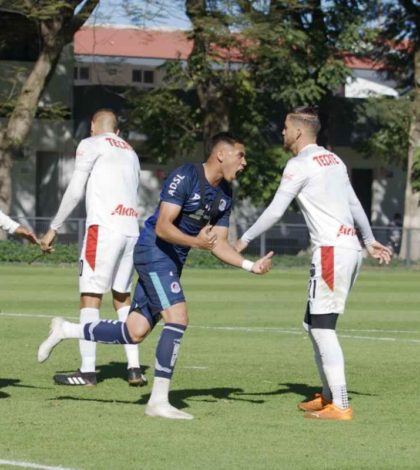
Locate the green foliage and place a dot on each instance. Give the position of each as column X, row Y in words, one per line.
column 415, row 169
column 382, row 128
column 169, row 122
column 290, row 53
column 17, row 252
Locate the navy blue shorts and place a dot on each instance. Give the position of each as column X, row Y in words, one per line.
column 158, row 286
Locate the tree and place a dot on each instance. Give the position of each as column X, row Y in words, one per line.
column 54, row 23
column 399, row 45
column 250, row 61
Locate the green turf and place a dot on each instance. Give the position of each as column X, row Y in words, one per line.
column 241, row 383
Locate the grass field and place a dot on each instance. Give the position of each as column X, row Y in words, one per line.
column 243, row 366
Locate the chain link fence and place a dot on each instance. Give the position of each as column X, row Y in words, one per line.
column 282, row 238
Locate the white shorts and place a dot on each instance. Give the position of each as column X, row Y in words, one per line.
column 106, row 261
column 333, row 273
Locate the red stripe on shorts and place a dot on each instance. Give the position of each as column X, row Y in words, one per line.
column 327, row 265
column 91, row 245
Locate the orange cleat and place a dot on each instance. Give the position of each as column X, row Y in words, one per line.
column 316, row 404
column 331, row 412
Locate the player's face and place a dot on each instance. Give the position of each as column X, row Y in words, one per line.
column 233, row 161
column 290, row 134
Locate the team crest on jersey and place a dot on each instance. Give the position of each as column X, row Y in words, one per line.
column 222, row 204
column 175, row 288
column 196, row 197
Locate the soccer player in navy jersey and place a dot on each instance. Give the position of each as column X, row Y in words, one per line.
column 193, row 212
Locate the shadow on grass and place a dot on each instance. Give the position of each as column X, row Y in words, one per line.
column 113, row 370
column 304, row 390
column 178, row 398
column 12, row 383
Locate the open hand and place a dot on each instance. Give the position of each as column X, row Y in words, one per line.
column 27, row 234
column 264, row 264
column 380, row 252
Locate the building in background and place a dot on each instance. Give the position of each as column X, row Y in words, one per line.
column 106, row 61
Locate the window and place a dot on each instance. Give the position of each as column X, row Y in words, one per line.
column 84, row 73
column 149, row 76
column 81, row 73
column 136, row 76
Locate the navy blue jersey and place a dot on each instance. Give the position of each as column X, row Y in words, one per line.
column 182, row 187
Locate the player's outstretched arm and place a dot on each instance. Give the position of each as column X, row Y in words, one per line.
column 228, row 254
column 380, row 252
column 27, row 234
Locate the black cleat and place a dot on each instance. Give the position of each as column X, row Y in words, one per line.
column 87, row 379
column 135, row 377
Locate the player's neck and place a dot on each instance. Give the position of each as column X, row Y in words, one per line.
column 212, row 173
column 301, row 144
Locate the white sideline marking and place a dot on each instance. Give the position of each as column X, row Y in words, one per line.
column 15, row 463
column 195, row 367
column 297, row 332
column 268, row 329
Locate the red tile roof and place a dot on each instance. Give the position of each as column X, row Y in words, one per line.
column 130, row 42
column 158, row 44
column 356, row 63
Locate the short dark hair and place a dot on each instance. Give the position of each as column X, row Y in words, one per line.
column 226, row 137
column 107, row 111
column 308, row 115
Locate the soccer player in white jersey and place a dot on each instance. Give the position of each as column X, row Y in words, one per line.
column 10, row 226
column 318, row 179
column 109, row 169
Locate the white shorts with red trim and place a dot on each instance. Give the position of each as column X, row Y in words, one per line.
column 106, row 261
column 333, row 273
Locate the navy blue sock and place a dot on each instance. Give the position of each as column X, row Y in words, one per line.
column 167, row 349
column 107, row 331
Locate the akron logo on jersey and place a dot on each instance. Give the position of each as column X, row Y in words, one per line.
column 175, row 288
column 222, row 205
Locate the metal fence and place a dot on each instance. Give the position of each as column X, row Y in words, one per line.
column 288, row 239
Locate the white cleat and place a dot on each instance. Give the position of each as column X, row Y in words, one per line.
column 55, row 336
column 165, row 410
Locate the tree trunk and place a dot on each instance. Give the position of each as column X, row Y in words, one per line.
column 20, row 122
column 410, row 248
column 56, row 31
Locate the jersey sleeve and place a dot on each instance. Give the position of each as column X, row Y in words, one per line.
column 8, row 224
column 270, row 216
column 86, row 156
column 177, row 186
column 294, row 178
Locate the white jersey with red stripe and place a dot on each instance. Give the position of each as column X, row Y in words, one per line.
column 112, row 187
column 318, row 179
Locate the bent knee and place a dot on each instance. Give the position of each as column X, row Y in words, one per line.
column 138, row 327
column 176, row 314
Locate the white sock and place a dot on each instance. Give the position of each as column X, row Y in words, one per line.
column 326, row 392
column 131, row 350
column 160, row 391
column 332, row 363
column 73, row 330
column 88, row 348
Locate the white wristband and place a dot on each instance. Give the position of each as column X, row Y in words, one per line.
column 247, row 265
